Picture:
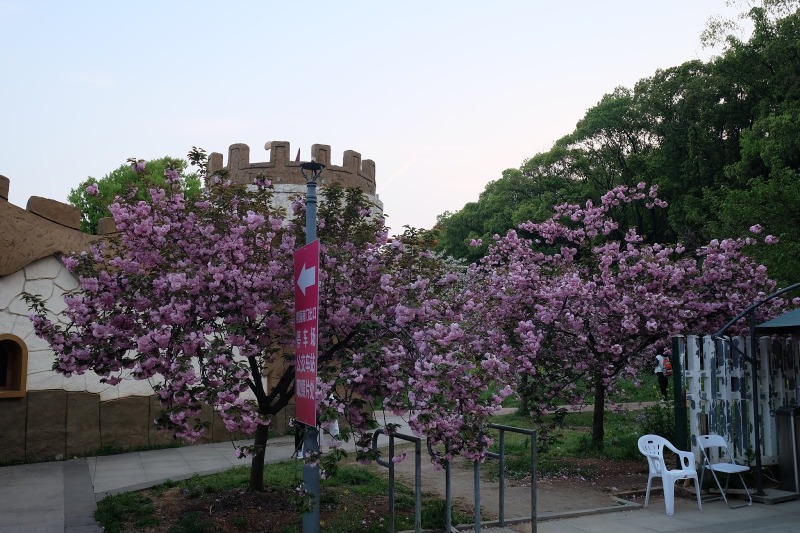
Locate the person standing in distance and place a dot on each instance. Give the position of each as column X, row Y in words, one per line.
column 663, row 370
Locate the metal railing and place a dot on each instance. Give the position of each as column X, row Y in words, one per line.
column 502, row 467
column 448, row 492
column 501, row 456
column 417, row 474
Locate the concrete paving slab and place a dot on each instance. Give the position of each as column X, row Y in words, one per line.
column 161, row 458
column 37, row 500
column 209, row 466
column 39, row 524
column 47, row 497
column 159, row 475
column 25, row 518
column 687, row 518
column 115, row 481
column 132, row 461
column 22, row 475
column 156, row 464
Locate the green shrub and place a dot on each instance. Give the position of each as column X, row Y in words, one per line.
column 114, row 511
column 657, row 419
column 433, row 514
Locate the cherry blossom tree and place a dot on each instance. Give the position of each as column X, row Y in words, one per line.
column 195, row 295
column 191, row 295
column 578, row 301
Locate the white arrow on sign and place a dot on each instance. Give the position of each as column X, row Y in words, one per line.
column 307, row 277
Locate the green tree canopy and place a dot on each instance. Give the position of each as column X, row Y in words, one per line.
column 720, row 138
column 126, row 179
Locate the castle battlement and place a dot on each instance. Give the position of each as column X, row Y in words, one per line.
column 282, row 170
column 61, row 213
column 44, row 228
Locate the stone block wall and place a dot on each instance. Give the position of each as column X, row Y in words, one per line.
column 58, row 424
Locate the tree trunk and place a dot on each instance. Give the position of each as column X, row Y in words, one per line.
column 599, row 411
column 268, row 404
column 524, row 404
column 257, row 464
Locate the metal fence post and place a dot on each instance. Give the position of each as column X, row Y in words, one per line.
column 534, row 459
column 448, row 500
column 417, row 475
column 476, row 483
column 418, row 484
column 502, row 457
column 502, row 510
column 679, row 394
column 391, row 482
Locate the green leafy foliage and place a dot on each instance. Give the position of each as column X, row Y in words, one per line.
column 127, row 180
column 116, row 510
column 657, row 419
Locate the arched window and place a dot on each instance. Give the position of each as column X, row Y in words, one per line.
column 13, row 366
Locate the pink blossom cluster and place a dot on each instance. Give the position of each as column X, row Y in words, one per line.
column 399, row 332
column 573, row 306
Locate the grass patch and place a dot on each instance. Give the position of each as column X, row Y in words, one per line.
column 562, row 458
column 131, row 508
column 353, row 500
column 626, row 391
column 193, row 522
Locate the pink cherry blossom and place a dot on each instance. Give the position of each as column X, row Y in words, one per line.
column 584, row 301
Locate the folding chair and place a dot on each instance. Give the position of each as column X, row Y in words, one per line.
column 715, row 446
column 652, row 447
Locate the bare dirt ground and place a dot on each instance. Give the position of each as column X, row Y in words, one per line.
column 611, row 479
column 269, row 511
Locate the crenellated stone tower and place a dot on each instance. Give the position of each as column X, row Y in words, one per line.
column 285, row 173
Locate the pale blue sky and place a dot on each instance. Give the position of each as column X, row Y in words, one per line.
column 443, row 96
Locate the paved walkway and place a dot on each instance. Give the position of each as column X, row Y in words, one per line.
column 715, row 517
column 60, row 496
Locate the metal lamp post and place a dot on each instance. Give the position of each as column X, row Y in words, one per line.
column 311, row 520
column 314, row 169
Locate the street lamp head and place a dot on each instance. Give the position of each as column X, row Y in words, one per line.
column 314, row 168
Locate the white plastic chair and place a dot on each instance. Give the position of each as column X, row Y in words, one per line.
column 652, row 447
column 724, row 464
